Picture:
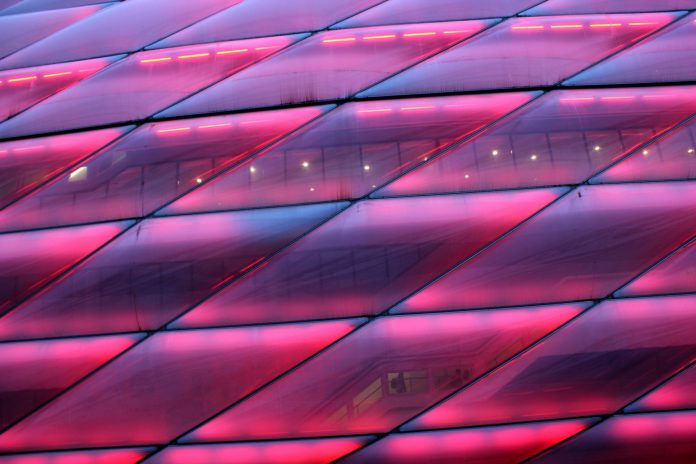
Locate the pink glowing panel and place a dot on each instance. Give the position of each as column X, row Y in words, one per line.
column 35, row 372
column 151, row 166
column 157, row 270
column 124, row 27
column 30, row 6
column 389, row 371
column 141, row 85
column 416, row 11
column 112, row 456
column 677, row 393
column 321, row 451
column 552, row 7
column 352, row 151
column 368, row 258
column 669, row 56
column 597, row 364
column 329, row 65
column 524, row 52
column 490, row 445
column 257, row 18
column 169, row 384
column 562, row 138
column 22, row 88
column 24, row 164
column 634, row 439
column 585, row 246
column 29, row 260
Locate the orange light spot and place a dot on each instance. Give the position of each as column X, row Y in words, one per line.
column 455, row 32
column 210, row 126
column 577, row 99
column 378, row 37
column 176, row 129
column 617, row 98
column 413, row 108
column 156, row 60
column 195, row 55
column 20, row 79
column 567, row 26
column 419, row 34
column 606, row 25
column 66, row 73
column 264, row 48
column 376, row 110
column 517, row 28
column 228, row 52
column 342, row 39
column 642, row 24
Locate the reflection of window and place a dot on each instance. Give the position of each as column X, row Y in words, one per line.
column 450, row 377
column 367, row 397
column 408, row 382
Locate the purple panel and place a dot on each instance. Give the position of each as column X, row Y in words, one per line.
column 352, row 151
column 524, row 52
column 157, row 270
column 677, row 393
column 389, row 371
column 669, row 56
column 29, row 6
column 150, row 167
column 107, row 456
column 368, row 258
column 562, row 138
column 168, row 384
column 634, row 439
column 329, row 65
column 141, row 85
column 551, row 7
column 585, row 246
column 597, row 364
column 256, row 18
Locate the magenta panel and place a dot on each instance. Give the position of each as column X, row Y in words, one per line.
column 30, row 6
column 157, row 270
column 676, row 393
column 107, row 456
column 585, row 246
column 552, row 7
column 597, row 364
column 351, row 151
column 328, row 65
column 368, row 258
column 168, row 384
column 563, row 137
column 389, row 371
column 150, row 167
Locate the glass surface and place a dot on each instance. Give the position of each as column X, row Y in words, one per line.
column 523, row 52
column 158, row 269
column 141, row 85
column 113, row 456
column 30, row 6
column 563, row 137
column 150, row 167
column 327, row 66
column 597, row 364
column 551, row 7
column 585, row 246
column 368, row 258
column 168, row 384
column 351, row 151
column 677, row 393
column 390, row 370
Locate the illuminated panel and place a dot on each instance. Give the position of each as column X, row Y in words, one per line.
column 124, row 27
column 368, row 258
column 27, row 163
column 562, row 138
column 257, row 18
column 524, row 52
column 141, row 85
column 585, row 246
column 30, row 6
column 668, row 56
column 389, row 371
column 350, row 152
column 486, row 445
column 551, row 7
column 677, row 393
column 157, row 270
column 29, row 260
column 112, row 456
column 597, row 364
column 168, row 384
column 149, row 167
column 635, row 439
column 328, row 65
column 35, row 372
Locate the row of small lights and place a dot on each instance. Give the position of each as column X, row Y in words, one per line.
column 204, row 54
column 614, row 98
column 185, row 129
column 538, row 27
column 405, row 35
column 31, row 78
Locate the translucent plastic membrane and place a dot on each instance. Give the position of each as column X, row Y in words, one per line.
column 551, row 7
column 141, row 85
column 676, row 393
column 489, row 445
column 24, row 164
column 157, row 270
column 368, row 258
column 151, row 166
column 107, row 456
column 634, row 439
column 168, row 384
column 597, row 364
column 35, row 372
column 351, row 151
column 30, row 6
column 524, row 52
column 390, row 370
column 257, row 18
column 587, row 245
column 562, row 138
column 668, row 56
column 124, row 27
column 329, row 65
